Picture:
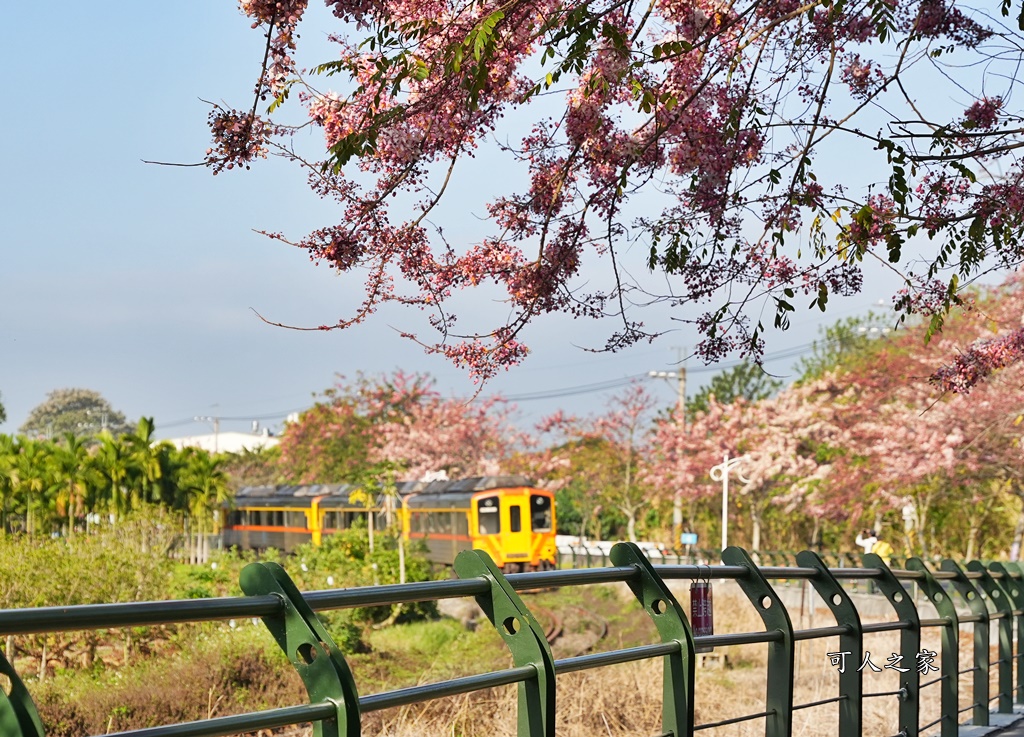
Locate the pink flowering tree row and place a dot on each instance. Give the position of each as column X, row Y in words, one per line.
column 873, row 443
column 759, row 153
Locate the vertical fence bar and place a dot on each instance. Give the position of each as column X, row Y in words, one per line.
column 1012, row 584
column 910, row 642
column 308, row 646
column 950, row 659
column 525, row 639
column 768, row 605
column 851, row 682
column 660, row 604
column 979, row 692
column 1001, row 600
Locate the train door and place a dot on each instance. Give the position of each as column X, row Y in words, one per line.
column 515, row 543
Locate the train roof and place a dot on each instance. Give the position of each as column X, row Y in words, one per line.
column 301, row 491
column 461, row 486
column 333, row 494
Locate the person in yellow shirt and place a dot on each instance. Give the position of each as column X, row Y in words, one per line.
column 883, row 550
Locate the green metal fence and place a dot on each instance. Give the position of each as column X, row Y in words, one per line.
column 993, row 594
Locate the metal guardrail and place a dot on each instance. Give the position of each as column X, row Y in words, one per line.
column 994, row 594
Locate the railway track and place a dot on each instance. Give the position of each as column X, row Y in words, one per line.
column 573, row 630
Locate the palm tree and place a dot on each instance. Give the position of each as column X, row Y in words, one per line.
column 8, row 454
column 34, row 482
column 76, row 476
column 202, row 487
column 115, row 465
column 149, row 463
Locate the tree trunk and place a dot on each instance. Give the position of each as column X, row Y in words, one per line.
column 631, row 526
column 816, row 534
column 755, row 533
column 42, row 662
column 1018, row 534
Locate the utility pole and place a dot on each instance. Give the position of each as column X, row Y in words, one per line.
column 680, row 376
column 216, row 430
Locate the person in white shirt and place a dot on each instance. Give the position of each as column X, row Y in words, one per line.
column 867, row 540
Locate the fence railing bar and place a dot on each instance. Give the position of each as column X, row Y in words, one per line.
column 997, row 662
column 454, row 687
column 744, row 638
column 819, row 632
column 905, row 575
column 614, row 657
column 933, row 681
column 701, row 572
column 897, row 692
column 788, row 572
column 134, row 614
column 937, row 622
column 734, row 720
column 970, row 618
column 901, row 624
column 844, row 697
column 932, row 724
column 968, row 670
column 394, row 594
column 856, row 573
column 578, row 577
column 238, row 723
column 969, row 707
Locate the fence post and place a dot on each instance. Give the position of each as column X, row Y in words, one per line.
column 779, row 697
column 524, row 638
column 1012, row 584
column 851, row 682
column 18, row 714
column 979, row 692
column 1000, row 598
column 910, row 642
column 309, row 648
column 950, row 670
column 659, row 603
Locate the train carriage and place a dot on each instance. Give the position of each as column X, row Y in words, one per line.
column 285, row 517
column 506, row 516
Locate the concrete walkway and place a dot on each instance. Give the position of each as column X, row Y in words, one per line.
column 1000, row 725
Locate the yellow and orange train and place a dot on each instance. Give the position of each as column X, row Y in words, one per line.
column 506, row 516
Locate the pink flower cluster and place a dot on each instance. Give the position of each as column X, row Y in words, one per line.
column 983, row 114
column 979, row 361
column 238, row 138
column 704, row 120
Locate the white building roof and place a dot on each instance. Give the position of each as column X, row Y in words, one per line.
column 226, row 442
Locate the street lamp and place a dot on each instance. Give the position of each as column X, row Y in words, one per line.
column 721, row 473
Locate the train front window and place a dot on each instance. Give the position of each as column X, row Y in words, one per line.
column 540, row 513
column 515, row 518
column 487, row 513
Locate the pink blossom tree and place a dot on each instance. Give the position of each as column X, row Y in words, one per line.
column 733, row 112
column 608, row 454
column 459, row 437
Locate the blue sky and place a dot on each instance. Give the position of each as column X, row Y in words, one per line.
column 140, row 281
